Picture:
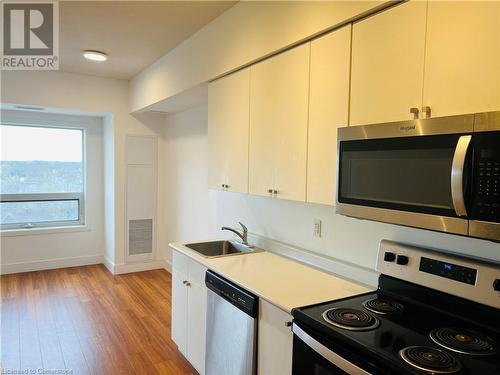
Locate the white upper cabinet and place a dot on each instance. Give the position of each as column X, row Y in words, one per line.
column 228, row 105
column 328, row 110
column 387, row 64
column 279, row 91
column 273, row 126
column 462, row 60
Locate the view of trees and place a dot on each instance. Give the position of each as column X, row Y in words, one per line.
column 28, row 177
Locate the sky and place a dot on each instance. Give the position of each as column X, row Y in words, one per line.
column 27, row 143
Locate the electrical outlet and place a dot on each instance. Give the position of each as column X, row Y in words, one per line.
column 317, row 228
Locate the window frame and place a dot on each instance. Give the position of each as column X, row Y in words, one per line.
column 48, row 197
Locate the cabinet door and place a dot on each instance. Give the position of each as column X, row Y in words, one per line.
column 387, row 64
column 228, row 106
column 263, row 129
column 328, row 110
column 278, row 124
column 462, row 60
column 275, row 341
column 179, row 310
column 196, row 317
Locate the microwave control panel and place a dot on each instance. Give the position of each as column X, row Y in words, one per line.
column 486, row 186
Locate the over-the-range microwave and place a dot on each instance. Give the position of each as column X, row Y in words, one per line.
column 441, row 174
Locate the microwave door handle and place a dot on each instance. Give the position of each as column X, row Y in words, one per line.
column 326, row 353
column 457, row 175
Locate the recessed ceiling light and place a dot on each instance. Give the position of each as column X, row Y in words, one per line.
column 95, row 55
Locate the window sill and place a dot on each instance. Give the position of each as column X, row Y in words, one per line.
column 43, row 230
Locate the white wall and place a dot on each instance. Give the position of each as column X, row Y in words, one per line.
column 109, row 188
column 195, row 213
column 104, row 97
column 351, row 240
column 244, row 33
column 189, row 212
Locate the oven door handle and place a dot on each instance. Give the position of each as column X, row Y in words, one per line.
column 327, row 354
column 457, row 175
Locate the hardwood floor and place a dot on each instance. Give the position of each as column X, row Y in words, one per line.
column 86, row 320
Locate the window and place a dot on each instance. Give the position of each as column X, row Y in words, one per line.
column 41, row 176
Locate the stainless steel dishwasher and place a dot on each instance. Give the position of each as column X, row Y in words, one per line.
column 231, row 328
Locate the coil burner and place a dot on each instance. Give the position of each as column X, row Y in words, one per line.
column 351, row 319
column 433, row 361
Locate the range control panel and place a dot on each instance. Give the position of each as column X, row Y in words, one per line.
column 449, row 270
column 468, row 278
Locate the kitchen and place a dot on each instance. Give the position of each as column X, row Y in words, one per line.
column 296, row 119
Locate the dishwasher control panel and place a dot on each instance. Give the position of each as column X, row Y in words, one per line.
column 232, row 293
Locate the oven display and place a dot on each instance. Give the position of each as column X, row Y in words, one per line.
column 449, row 270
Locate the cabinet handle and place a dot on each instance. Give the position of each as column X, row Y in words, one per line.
column 275, row 192
column 414, row 111
column 227, row 186
column 427, row 110
column 270, row 191
column 184, row 282
column 188, row 284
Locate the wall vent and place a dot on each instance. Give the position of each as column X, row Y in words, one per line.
column 140, row 236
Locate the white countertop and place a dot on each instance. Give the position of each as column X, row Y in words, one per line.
column 283, row 282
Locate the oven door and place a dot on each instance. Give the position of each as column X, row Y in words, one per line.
column 312, row 357
column 419, row 180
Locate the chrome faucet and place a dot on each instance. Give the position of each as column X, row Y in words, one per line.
column 243, row 234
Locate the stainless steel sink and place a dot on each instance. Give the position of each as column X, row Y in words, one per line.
column 221, row 248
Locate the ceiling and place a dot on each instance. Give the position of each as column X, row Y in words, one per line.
column 133, row 33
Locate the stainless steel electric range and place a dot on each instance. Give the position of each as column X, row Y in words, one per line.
column 432, row 313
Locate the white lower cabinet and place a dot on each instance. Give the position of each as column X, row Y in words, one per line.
column 189, row 307
column 179, row 308
column 275, row 341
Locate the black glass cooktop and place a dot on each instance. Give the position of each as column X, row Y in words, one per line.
column 421, row 332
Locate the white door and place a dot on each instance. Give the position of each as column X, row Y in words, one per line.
column 292, row 111
column 462, row 59
column 263, row 128
column 179, row 310
column 328, row 110
column 196, row 316
column 275, row 341
column 279, row 89
column 228, row 106
column 388, row 64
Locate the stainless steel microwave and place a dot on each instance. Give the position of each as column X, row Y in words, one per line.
column 441, row 174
